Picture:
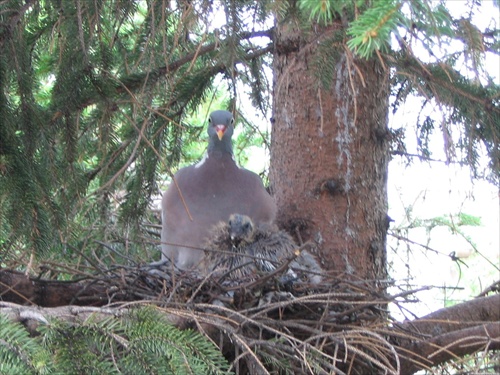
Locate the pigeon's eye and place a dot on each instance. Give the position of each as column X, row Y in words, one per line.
column 210, row 120
column 232, row 121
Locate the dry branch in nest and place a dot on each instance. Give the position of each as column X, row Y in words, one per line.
column 340, row 326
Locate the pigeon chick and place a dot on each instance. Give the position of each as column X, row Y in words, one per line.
column 241, row 250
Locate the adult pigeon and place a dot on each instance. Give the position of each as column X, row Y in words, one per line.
column 204, row 194
column 241, row 250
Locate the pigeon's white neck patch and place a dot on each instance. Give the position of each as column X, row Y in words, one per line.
column 202, row 161
column 206, row 156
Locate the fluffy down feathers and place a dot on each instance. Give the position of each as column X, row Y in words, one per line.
column 240, row 250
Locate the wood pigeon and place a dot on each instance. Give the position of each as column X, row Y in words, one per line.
column 204, row 194
column 242, row 250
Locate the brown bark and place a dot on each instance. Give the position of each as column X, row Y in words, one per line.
column 18, row 288
column 329, row 161
column 448, row 347
column 450, row 333
column 460, row 316
column 329, row 153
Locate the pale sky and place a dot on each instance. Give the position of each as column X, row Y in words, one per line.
column 435, row 189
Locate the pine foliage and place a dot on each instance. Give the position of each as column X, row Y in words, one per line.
column 141, row 342
column 20, row 353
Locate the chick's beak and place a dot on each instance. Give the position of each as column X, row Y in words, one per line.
column 220, row 130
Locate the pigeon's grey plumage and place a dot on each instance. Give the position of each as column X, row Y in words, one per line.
column 204, row 194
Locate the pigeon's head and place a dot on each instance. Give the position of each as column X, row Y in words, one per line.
column 220, row 126
column 241, row 229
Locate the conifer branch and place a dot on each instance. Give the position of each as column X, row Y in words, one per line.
column 153, row 76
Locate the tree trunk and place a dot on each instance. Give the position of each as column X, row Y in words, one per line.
column 329, row 151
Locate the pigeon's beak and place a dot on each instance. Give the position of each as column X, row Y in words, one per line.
column 220, row 130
